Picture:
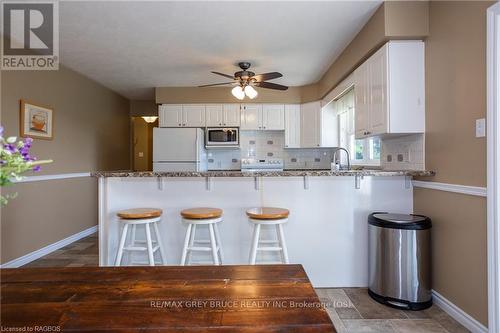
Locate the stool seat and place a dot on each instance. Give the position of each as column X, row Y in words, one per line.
column 201, row 213
column 268, row 213
column 139, row 213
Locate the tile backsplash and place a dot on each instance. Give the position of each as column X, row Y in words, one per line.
column 398, row 153
column 403, row 153
column 269, row 144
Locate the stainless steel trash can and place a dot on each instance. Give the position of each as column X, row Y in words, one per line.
column 400, row 260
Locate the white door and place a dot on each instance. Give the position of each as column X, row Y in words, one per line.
column 292, row 126
column 273, row 117
column 194, row 115
column 251, row 117
column 378, row 92
column 214, row 115
column 170, row 115
column 310, row 124
column 231, row 115
column 361, row 111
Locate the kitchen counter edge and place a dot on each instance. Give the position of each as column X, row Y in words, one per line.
column 285, row 173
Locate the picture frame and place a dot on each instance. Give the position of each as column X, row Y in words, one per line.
column 36, row 121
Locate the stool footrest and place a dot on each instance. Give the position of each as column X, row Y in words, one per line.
column 140, row 248
column 201, row 248
column 270, row 248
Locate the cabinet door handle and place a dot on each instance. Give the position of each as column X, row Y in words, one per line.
column 220, row 124
column 318, row 144
column 180, row 125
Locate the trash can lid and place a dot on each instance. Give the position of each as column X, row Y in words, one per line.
column 400, row 221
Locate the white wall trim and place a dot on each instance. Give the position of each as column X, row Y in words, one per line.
column 493, row 164
column 48, row 249
column 458, row 314
column 29, row 179
column 455, row 188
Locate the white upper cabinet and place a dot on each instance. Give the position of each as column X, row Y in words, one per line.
column 194, row 115
column 319, row 125
column 251, row 117
column 292, row 126
column 273, row 117
column 231, row 115
column 179, row 115
column 214, row 115
column 390, row 91
column 310, row 125
column 263, row 117
column 170, row 115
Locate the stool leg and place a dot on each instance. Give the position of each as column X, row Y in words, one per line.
column 284, row 250
column 191, row 244
column 219, row 243
column 213, row 244
column 255, row 244
column 149, row 243
column 132, row 243
column 122, row 244
column 162, row 250
column 186, row 244
column 282, row 257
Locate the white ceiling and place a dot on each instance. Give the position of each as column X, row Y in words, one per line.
column 132, row 47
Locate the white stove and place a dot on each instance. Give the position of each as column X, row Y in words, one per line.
column 252, row 164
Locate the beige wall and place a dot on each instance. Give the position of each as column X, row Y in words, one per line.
column 456, row 97
column 143, row 108
column 171, row 95
column 91, row 132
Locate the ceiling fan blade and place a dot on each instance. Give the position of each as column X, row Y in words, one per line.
column 225, row 75
column 215, row 84
column 270, row 85
column 267, row 76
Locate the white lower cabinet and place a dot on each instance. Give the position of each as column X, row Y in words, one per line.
column 292, row 126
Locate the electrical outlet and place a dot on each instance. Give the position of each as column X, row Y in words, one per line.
column 480, row 128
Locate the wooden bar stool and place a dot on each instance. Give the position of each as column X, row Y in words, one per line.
column 202, row 216
column 268, row 216
column 140, row 217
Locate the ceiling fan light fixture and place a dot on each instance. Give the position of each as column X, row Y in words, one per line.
column 250, row 92
column 238, row 92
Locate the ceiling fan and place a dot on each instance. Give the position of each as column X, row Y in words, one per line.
column 246, row 80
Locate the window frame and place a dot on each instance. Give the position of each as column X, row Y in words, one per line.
column 346, row 133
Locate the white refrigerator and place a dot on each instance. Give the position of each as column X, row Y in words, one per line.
column 179, row 149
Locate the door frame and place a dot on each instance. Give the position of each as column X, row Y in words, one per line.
column 493, row 165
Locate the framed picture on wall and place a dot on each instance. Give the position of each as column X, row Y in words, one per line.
column 37, row 121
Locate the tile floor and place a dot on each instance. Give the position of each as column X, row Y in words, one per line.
column 351, row 309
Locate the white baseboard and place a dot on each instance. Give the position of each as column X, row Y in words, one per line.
column 48, row 249
column 458, row 314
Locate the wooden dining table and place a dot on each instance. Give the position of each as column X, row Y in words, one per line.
column 261, row 298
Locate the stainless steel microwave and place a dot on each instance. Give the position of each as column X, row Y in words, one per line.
column 218, row 137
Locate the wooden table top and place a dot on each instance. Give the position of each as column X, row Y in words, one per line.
column 265, row 298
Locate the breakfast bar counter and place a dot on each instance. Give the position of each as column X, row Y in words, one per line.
column 327, row 228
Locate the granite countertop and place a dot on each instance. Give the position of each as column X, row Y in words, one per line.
column 285, row 173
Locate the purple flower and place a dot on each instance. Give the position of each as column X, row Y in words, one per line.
column 1, row 130
column 10, row 147
column 37, row 168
